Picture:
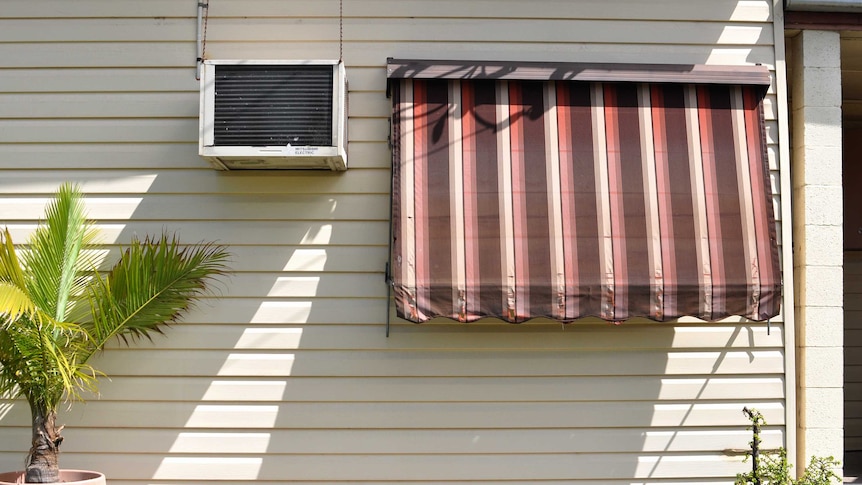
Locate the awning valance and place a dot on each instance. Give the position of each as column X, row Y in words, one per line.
column 521, row 198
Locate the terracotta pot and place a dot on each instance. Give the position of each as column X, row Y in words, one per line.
column 67, row 477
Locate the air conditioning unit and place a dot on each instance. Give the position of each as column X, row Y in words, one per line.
column 273, row 114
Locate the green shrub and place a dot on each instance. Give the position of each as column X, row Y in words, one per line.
column 773, row 468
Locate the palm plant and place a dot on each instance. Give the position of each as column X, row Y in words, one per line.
column 57, row 310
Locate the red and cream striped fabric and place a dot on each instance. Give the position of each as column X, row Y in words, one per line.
column 557, row 199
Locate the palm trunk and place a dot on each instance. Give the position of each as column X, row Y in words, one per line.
column 42, row 461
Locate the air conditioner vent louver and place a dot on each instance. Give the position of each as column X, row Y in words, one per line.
column 274, row 114
column 273, row 105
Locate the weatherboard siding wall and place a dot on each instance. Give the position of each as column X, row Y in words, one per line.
column 288, row 375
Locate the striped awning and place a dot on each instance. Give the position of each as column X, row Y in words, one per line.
column 522, row 198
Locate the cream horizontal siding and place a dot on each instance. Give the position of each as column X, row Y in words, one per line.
column 404, row 442
column 413, row 389
column 656, row 481
column 182, row 181
column 740, row 11
column 246, row 232
column 174, row 54
column 280, row 29
column 123, row 154
column 288, row 377
column 376, row 415
column 534, row 468
column 591, row 338
column 363, row 363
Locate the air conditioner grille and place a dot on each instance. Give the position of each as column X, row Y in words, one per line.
column 272, row 105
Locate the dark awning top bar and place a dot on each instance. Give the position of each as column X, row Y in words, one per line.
column 576, row 71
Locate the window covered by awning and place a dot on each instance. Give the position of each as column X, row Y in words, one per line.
column 538, row 190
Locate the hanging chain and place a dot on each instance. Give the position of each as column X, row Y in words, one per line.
column 340, row 31
column 206, row 7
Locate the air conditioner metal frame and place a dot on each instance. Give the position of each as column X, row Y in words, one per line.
column 332, row 157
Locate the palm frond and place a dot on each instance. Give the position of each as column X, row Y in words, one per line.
column 38, row 348
column 54, row 259
column 37, row 360
column 14, row 303
column 10, row 267
column 154, row 281
column 9, row 376
column 57, row 310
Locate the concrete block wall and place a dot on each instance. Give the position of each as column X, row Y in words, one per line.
column 818, row 241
